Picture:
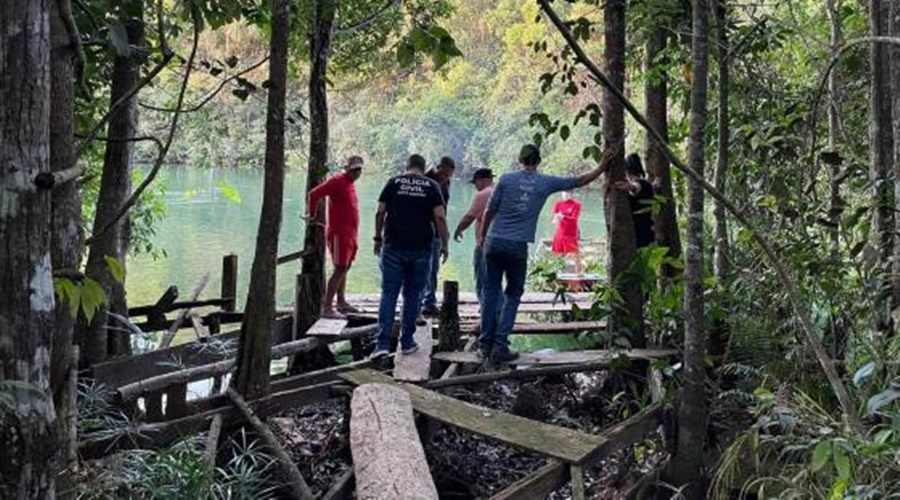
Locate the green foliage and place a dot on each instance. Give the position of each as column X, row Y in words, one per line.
column 84, row 296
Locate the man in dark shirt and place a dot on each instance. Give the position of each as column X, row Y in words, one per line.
column 442, row 174
column 410, row 210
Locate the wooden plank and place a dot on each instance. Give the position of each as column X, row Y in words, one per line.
column 469, row 298
column 200, row 329
column 388, row 457
column 578, row 486
column 327, row 327
column 161, row 434
column 570, row 327
column 173, row 328
column 539, row 485
column 565, row 444
column 144, row 310
column 416, row 367
column 128, row 369
column 157, row 312
column 561, row 358
column 492, row 376
column 229, row 282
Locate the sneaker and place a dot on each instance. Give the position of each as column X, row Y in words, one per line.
column 503, row 356
column 411, row 349
column 379, row 353
column 430, row 311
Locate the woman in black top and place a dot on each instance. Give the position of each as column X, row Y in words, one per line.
column 640, row 194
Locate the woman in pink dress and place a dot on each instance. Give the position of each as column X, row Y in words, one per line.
column 565, row 214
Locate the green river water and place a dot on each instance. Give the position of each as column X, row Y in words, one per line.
column 202, row 224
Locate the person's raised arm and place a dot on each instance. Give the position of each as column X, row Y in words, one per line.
column 317, row 193
column 440, row 222
column 379, row 226
column 601, row 168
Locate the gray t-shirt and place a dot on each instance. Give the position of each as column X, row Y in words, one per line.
column 517, row 202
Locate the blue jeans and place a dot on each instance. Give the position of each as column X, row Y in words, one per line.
column 406, row 270
column 429, row 299
column 502, row 258
column 480, row 270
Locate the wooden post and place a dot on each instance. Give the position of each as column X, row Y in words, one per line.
column 306, row 313
column 387, row 455
column 153, row 406
column 356, row 349
column 176, row 401
column 578, row 489
column 229, row 281
column 448, row 329
column 157, row 316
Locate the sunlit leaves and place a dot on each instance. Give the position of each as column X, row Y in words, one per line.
column 85, row 296
column 432, row 41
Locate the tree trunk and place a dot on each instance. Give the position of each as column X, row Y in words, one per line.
column 317, row 168
column 252, row 378
column 838, row 343
column 622, row 244
column 881, row 155
column 656, row 89
column 722, row 250
column 115, row 189
column 28, row 446
column 894, row 56
column 66, row 234
column 692, row 414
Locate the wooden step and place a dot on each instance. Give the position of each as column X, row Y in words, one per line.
column 327, row 327
column 561, row 358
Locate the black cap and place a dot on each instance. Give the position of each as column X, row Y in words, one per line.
column 482, row 173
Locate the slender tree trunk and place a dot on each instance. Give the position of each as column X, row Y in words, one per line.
column 722, row 250
column 656, row 89
column 66, row 234
column 894, row 56
column 622, row 244
column 252, row 379
column 692, row 412
column 838, row 344
column 881, row 155
column 317, row 168
column 28, row 446
column 115, row 189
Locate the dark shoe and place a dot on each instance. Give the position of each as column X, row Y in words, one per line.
column 503, row 356
column 430, row 311
column 379, row 354
column 411, row 349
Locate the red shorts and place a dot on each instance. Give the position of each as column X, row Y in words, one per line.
column 342, row 248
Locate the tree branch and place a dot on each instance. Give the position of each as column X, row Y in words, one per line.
column 169, row 139
column 65, row 13
column 345, row 30
column 212, row 94
column 848, row 405
column 817, row 97
column 167, row 56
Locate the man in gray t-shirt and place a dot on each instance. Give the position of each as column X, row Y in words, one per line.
column 509, row 225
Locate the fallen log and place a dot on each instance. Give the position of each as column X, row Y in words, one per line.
column 292, row 474
column 388, row 459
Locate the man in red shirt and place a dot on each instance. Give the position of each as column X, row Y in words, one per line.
column 341, row 231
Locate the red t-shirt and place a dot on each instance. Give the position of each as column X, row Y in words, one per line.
column 343, row 205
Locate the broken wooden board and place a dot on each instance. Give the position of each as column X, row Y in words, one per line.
column 523, row 328
column 561, row 358
column 388, row 458
column 327, row 327
column 537, row 485
column 567, row 445
column 415, row 367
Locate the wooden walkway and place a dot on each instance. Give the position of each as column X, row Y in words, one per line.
column 531, row 303
column 563, row 358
